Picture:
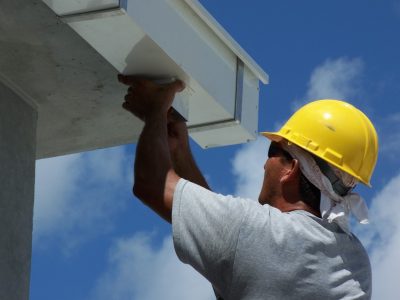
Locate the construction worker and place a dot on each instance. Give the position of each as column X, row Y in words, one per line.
column 295, row 242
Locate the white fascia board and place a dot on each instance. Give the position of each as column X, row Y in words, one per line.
column 228, row 40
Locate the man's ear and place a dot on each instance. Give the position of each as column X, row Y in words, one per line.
column 292, row 171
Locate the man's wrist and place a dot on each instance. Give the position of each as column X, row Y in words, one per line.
column 156, row 117
column 181, row 151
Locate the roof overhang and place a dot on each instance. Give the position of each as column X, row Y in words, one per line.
column 63, row 58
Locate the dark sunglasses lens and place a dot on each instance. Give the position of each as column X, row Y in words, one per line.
column 275, row 150
column 271, row 150
column 287, row 155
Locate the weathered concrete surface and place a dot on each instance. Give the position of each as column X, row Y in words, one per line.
column 74, row 87
column 17, row 177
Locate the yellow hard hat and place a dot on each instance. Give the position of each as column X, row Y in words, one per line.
column 336, row 132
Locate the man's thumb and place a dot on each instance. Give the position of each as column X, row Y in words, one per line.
column 178, row 85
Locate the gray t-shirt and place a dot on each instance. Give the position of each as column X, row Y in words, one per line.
column 252, row 251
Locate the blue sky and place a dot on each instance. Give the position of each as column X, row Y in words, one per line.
column 93, row 240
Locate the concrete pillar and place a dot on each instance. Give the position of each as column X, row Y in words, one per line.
column 17, row 178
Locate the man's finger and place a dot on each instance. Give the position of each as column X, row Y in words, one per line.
column 129, row 80
column 136, row 80
column 177, row 86
column 125, row 105
column 175, row 116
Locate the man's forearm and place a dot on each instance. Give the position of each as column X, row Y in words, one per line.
column 153, row 167
column 155, row 179
column 179, row 146
column 185, row 166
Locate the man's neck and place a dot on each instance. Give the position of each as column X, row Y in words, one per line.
column 286, row 206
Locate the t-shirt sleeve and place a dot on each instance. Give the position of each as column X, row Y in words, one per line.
column 206, row 229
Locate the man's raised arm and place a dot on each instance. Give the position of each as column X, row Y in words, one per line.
column 155, row 178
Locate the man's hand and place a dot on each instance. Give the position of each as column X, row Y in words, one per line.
column 146, row 98
column 162, row 154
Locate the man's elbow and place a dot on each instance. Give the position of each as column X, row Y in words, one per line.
column 157, row 191
column 140, row 191
column 147, row 193
column 153, row 199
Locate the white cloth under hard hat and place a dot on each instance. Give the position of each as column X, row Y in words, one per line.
column 334, row 208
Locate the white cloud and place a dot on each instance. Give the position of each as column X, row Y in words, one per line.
column 396, row 8
column 395, row 117
column 335, row 79
column 56, row 182
column 137, row 270
column 389, row 136
column 382, row 238
column 248, row 167
column 75, row 195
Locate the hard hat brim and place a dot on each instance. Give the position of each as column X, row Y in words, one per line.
column 273, row 136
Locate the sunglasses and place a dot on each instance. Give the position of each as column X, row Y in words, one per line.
column 275, row 150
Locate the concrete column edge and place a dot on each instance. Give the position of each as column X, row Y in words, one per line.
column 17, row 90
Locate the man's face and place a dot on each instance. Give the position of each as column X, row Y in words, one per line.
column 274, row 169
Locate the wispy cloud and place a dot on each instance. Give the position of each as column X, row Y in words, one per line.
column 389, row 136
column 247, row 166
column 382, row 238
column 138, row 270
column 76, row 196
column 334, row 79
column 396, row 8
column 56, row 183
